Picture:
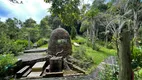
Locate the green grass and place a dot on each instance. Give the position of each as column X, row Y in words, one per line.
column 97, row 56
column 44, row 46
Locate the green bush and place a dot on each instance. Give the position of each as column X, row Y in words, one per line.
column 95, row 47
column 11, row 47
column 136, row 57
column 109, row 46
column 15, row 48
column 110, row 72
column 41, row 42
column 101, row 43
column 73, row 33
column 84, row 61
column 79, row 40
column 138, row 75
column 89, row 44
column 23, row 43
column 6, row 63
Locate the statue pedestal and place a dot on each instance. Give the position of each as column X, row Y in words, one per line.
column 55, row 64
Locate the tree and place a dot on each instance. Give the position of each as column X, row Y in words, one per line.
column 73, row 32
column 12, row 28
column 44, row 28
column 122, row 29
column 30, row 23
column 54, row 22
column 66, row 10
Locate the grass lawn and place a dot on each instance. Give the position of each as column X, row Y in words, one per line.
column 44, row 46
column 97, row 56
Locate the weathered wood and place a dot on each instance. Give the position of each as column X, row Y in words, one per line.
column 48, row 68
column 53, row 74
column 56, row 64
column 76, row 68
column 38, row 66
column 27, row 73
column 36, row 50
column 125, row 69
column 22, row 71
column 34, row 74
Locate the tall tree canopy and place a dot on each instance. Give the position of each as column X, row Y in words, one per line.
column 67, row 10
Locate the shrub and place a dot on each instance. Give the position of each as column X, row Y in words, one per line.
column 101, row 43
column 109, row 46
column 15, row 48
column 41, row 42
column 6, row 62
column 80, row 40
column 89, row 44
column 110, row 72
column 84, row 61
column 23, row 43
column 95, row 47
column 73, row 33
column 136, row 57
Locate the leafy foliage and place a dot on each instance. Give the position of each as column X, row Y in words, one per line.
column 41, row 42
column 23, row 43
column 66, row 10
column 6, row 63
column 83, row 60
column 73, row 33
column 110, row 72
column 136, row 58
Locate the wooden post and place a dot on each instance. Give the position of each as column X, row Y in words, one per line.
column 55, row 64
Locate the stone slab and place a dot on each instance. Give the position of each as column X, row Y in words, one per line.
column 34, row 74
column 38, row 66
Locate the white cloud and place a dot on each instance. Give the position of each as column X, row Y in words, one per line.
column 36, row 9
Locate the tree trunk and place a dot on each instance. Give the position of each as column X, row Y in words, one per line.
column 29, row 41
column 106, row 37
column 87, row 33
column 93, row 31
column 125, row 70
column 135, row 29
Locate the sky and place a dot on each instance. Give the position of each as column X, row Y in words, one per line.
column 35, row 9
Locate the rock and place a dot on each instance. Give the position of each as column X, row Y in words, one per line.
column 76, row 44
column 59, row 43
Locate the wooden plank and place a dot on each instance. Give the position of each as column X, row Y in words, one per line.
column 34, row 74
column 48, row 68
column 38, row 66
column 26, row 73
column 22, row 71
column 53, row 74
